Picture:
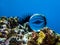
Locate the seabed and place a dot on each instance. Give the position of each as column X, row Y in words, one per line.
column 14, row 33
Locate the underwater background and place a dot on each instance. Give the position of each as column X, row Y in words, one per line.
column 49, row 8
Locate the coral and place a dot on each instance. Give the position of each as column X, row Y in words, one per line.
column 14, row 33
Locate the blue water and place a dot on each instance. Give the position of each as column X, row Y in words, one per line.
column 50, row 8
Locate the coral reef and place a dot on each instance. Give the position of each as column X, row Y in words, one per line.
column 13, row 33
